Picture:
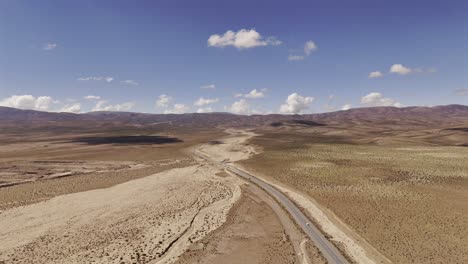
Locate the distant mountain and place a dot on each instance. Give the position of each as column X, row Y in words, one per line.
column 445, row 114
column 448, row 114
column 14, row 114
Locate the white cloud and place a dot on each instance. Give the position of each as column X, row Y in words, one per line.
column 20, row 101
column 163, row 101
column 239, row 107
column 105, row 106
column 96, row 78
column 255, row 94
column 49, row 46
column 400, row 69
column 377, row 99
column 309, row 46
column 92, row 97
column 205, row 110
column 72, row 108
column 42, row 103
column 242, row 39
column 403, row 70
column 177, row 109
column 130, row 82
column 209, row 87
column 295, row 58
column 295, row 104
column 202, row 101
column 375, row 74
column 461, row 92
column 346, row 107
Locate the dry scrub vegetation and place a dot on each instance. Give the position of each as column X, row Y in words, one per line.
column 409, row 202
column 38, row 163
column 107, row 195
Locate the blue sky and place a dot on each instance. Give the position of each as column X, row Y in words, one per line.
column 155, row 56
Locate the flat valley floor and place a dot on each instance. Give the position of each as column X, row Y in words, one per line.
column 139, row 195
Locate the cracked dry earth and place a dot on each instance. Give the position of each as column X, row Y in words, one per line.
column 148, row 220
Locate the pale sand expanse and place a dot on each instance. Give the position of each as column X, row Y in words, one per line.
column 232, row 148
column 356, row 247
column 152, row 218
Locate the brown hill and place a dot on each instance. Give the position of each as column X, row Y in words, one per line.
column 448, row 115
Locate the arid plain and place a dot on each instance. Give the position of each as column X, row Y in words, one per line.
column 404, row 192
column 382, row 190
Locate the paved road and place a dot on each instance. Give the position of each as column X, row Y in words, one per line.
column 329, row 251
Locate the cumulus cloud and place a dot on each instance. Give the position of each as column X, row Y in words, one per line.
column 242, row 39
column 42, row 103
column 295, row 57
column 92, row 97
column 208, row 87
column 253, row 94
column 177, row 109
column 241, row 107
column 461, row 92
column 204, row 110
column 104, row 105
column 377, row 99
column 309, row 46
column 163, row 101
column 130, row 82
column 400, row 69
column 96, row 78
column 295, row 104
column 202, row 101
column 49, row 46
column 375, row 74
column 346, row 107
column 71, row 108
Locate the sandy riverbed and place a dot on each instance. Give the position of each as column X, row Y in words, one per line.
column 152, row 218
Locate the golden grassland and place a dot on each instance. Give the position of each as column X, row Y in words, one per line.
column 409, row 201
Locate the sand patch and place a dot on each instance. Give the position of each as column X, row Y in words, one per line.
column 231, row 148
column 148, row 219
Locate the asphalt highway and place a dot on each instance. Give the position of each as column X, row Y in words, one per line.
column 328, row 250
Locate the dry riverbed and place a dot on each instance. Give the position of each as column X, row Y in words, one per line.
column 143, row 212
column 152, row 218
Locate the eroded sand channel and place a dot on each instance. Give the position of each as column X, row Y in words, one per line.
column 153, row 218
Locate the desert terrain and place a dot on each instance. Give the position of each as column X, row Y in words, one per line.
column 402, row 189
column 382, row 185
column 134, row 196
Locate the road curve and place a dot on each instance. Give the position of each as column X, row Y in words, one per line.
column 329, row 251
